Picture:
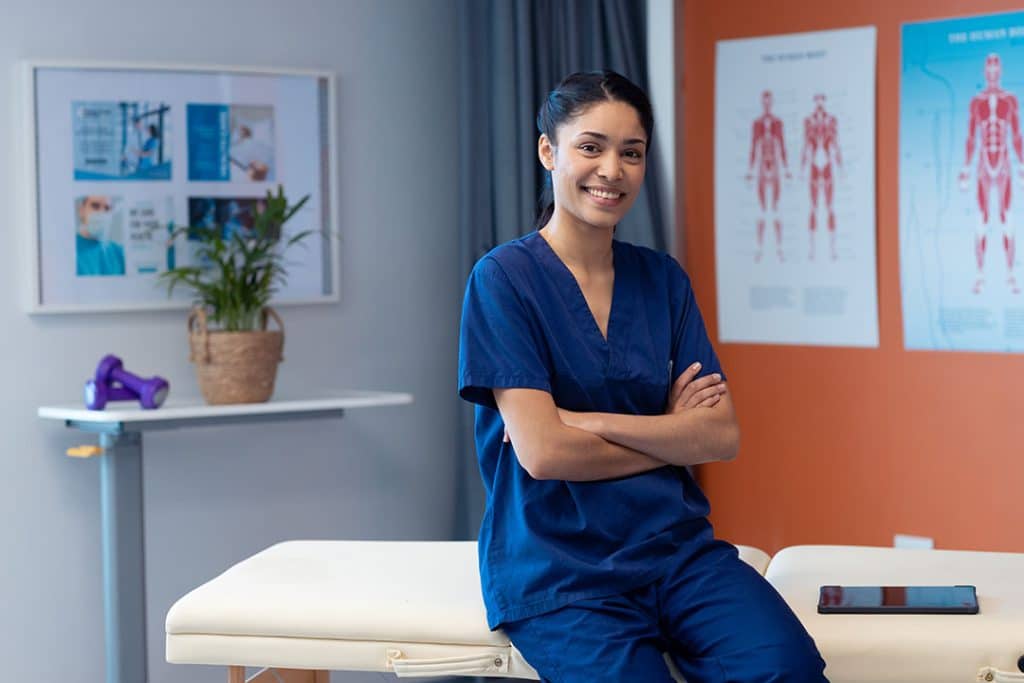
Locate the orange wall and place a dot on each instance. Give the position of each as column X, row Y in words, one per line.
column 848, row 445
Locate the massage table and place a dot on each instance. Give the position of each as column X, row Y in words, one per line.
column 300, row 609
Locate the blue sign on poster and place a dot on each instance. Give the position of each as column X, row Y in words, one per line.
column 208, row 138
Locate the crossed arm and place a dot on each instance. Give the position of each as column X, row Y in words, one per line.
column 552, row 443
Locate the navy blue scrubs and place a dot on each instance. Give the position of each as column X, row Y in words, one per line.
column 547, row 545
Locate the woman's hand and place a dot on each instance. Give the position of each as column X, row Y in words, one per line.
column 702, row 392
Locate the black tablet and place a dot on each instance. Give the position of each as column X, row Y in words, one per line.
column 897, row 600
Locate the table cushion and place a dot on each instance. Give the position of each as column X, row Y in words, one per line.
column 907, row 647
column 350, row 605
column 356, row 605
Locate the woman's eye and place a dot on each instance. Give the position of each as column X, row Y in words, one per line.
column 588, row 148
column 634, row 154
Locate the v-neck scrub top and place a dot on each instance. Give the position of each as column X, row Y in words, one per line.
column 526, row 324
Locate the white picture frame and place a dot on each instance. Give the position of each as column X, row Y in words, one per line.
column 115, row 156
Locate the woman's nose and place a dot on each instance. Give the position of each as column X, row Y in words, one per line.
column 611, row 167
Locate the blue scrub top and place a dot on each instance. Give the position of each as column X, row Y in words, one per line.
column 147, row 161
column 93, row 257
column 526, row 324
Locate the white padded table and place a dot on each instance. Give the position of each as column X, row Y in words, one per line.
column 909, row 647
column 414, row 608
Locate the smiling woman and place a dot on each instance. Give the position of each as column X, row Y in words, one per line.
column 595, row 384
column 596, row 167
column 569, row 113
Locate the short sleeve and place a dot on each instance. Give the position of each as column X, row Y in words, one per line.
column 690, row 342
column 500, row 344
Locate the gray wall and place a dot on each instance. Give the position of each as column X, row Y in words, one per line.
column 216, row 495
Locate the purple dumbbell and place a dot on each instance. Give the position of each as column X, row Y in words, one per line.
column 114, row 383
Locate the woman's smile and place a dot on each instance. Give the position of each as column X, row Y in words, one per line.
column 604, row 197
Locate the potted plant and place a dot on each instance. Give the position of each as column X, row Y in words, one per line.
column 239, row 265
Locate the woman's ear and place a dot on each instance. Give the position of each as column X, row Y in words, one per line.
column 546, row 152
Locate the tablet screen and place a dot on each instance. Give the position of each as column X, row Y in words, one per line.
column 908, row 599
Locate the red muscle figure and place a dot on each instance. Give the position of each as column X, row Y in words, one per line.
column 994, row 122
column 767, row 148
column 821, row 146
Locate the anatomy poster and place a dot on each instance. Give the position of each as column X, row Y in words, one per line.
column 961, row 181
column 795, row 189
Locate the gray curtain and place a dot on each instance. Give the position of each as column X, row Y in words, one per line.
column 512, row 53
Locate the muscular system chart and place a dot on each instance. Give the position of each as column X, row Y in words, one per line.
column 961, row 178
column 794, row 189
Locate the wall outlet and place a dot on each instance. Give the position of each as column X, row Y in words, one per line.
column 908, row 541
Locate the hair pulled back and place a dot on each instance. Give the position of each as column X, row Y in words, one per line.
column 569, row 99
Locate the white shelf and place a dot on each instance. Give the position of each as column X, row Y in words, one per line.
column 195, row 410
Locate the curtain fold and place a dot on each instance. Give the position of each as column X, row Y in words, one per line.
column 512, row 53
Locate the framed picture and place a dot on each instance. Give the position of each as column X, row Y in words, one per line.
column 117, row 156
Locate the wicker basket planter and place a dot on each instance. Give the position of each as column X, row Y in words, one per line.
column 235, row 367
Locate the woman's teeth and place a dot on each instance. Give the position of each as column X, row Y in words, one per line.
column 603, row 194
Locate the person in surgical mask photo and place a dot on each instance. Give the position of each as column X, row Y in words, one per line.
column 97, row 228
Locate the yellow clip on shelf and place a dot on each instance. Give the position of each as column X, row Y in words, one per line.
column 84, row 451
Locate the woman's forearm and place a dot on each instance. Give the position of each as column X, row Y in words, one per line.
column 688, row 437
column 579, row 455
column 548, row 448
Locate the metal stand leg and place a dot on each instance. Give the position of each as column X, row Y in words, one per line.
column 124, row 578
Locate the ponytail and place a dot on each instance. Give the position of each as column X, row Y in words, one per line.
column 546, row 204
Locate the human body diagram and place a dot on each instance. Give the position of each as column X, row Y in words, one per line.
column 767, row 149
column 993, row 125
column 820, row 151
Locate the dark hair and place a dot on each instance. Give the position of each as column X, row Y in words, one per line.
column 154, row 131
column 573, row 95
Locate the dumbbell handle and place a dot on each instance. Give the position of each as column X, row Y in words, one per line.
column 126, row 378
column 117, row 393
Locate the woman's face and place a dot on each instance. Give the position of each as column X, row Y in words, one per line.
column 597, row 167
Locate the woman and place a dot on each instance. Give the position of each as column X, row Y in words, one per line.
column 148, row 151
column 595, row 384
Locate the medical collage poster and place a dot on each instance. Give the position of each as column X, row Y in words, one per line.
column 961, row 183
column 124, row 158
column 795, row 189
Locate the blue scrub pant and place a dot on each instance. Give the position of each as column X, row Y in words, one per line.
column 715, row 616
